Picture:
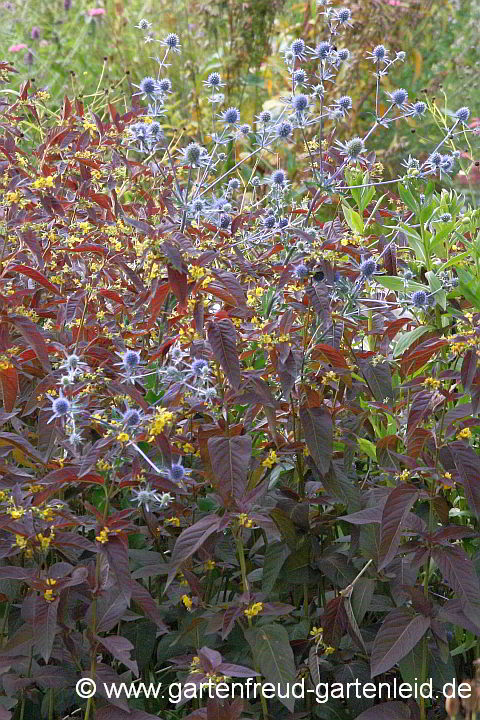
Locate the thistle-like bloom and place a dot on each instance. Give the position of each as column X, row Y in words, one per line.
column 300, row 103
column 264, row 117
column 300, row 77
column 379, row 54
column 301, row 271
column 144, row 25
column 352, row 148
column 419, row 299
column 177, row 473
column 145, row 496
column 463, row 114
column 130, row 361
column 368, row 268
column 278, row 179
column 131, row 418
column 343, row 16
column 165, row 86
column 61, row 407
column 172, row 42
column 214, row 81
column 148, row 87
column 322, row 50
column 73, row 365
column 343, row 54
column 418, row 108
column 284, row 130
column 398, row 97
column 269, row 222
column 298, row 49
column 231, row 116
column 195, row 155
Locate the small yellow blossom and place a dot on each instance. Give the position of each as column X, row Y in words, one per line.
column 21, row 541
column 464, row 434
column 43, row 182
column 244, row 520
column 187, row 601
column 174, row 521
column 432, row 383
column 254, row 609
column 271, row 460
column 102, row 537
column 403, row 476
column 317, row 633
column 123, row 437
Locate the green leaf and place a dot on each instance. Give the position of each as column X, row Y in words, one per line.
column 271, row 649
column 275, row 556
column 407, row 197
column 368, row 447
column 398, row 284
column 354, row 220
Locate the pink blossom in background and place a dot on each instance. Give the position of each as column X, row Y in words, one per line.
column 96, row 11
column 17, row 48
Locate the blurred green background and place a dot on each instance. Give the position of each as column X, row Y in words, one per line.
column 91, row 48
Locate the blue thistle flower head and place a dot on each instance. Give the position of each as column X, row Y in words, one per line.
column 435, row 160
column 419, row 299
column 233, row 184
column 245, row 129
column 354, row 147
column 231, row 116
column 165, row 85
column 300, row 76
column 269, row 222
column 300, row 103
column 343, row 15
column 197, row 206
column 214, row 80
column 345, row 102
column 298, row 47
column 463, row 114
column 408, row 275
column 265, row 116
column 60, row 406
column 379, row 53
column 368, row 268
column 343, row 54
column 284, row 130
column 172, row 41
column 131, row 418
column 225, row 221
column 323, row 50
column 149, row 86
column 198, row 366
column 419, row 108
column 301, row 271
column 445, row 217
column 398, row 97
column 193, row 154
column 131, row 359
column 176, row 472
column 278, row 178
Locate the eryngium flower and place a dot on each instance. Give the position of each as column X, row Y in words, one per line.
column 165, row 85
column 60, row 407
column 300, row 76
column 398, row 97
column 172, row 42
column 194, row 155
column 265, row 116
column 231, row 116
column 419, row 299
column 463, row 114
column 131, row 418
column 176, row 472
column 379, row 53
column 419, row 108
column 322, row 50
column 343, row 54
column 343, row 15
column 278, row 178
column 148, row 86
column 284, row 130
column 214, row 80
column 301, row 271
column 300, row 103
column 130, row 360
column 225, row 221
column 298, row 48
column 199, row 367
column 269, row 222
column 352, row 148
column 368, row 268
column 144, row 25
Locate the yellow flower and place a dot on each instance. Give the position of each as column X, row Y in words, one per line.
column 244, row 520
column 316, row 633
column 271, row 460
column 45, row 541
column 16, row 513
column 43, row 182
column 254, row 609
column 464, row 434
column 123, row 437
column 210, row 565
column 403, row 477
column 49, row 595
column 328, row 650
column 102, row 537
column 187, row 601
column 21, row 541
column 175, row 521
column 432, row 383
column 162, row 417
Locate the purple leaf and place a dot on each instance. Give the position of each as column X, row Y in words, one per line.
column 222, row 337
column 318, row 428
column 399, row 633
column 230, row 458
column 394, row 515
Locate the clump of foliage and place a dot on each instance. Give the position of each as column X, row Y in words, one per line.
column 240, row 418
